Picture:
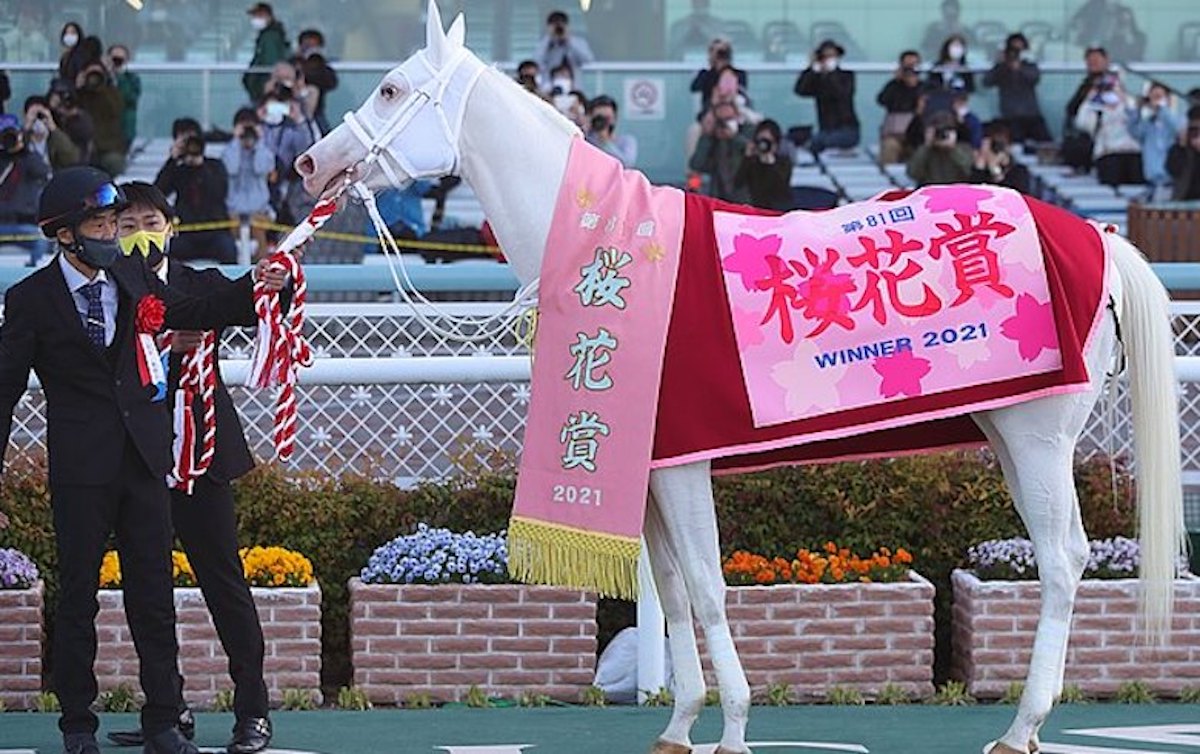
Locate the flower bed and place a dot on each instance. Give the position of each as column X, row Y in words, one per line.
column 429, row 616
column 288, row 600
column 832, row 619
column 995, row 619
column 21, row 595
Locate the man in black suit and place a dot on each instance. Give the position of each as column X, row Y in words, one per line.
column 77, row 324
column 204, row 520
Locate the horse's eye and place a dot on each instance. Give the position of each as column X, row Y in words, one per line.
column 389, row 92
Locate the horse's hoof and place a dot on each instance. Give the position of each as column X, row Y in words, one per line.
column 668, row 747
column 999, row 748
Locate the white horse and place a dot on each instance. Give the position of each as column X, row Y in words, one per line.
column 443, row 110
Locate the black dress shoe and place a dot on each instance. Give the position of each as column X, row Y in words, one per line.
column 80, row 743
column 250, row 735
column 170, row 741
column 187, row 726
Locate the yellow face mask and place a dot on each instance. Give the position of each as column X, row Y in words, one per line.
column 142, row 240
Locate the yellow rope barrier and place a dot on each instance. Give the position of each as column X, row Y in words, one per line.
column 453, row 248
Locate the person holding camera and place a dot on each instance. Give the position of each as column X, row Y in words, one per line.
column 74, row 122
column 720, row 59
column 766, row 172
column 129, row 85
column 200, row 185
column 1157, row 126
column 558, row 45
column 900, row 97
column 994, row 162
column 1016, row 76
column 288, row 134
column 1076, row 150
column 1183, row 162
column 250, row 165
column 100, row 99
column 23, row 175
column 43, row 136
column 314, row 68
column 1107, row 115
column 833, row 90
column 721, row 150
column 602, row 131
column 943, row 158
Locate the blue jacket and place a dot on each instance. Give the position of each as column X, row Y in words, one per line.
column 1157, row 134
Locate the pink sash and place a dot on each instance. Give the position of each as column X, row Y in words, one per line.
column 607, row 285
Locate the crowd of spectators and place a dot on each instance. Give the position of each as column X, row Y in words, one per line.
column 734, row 149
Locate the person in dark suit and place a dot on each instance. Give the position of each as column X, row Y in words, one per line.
column 77, row 323
column 204, row 520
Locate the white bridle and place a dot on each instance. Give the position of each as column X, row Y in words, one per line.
column 446, row 89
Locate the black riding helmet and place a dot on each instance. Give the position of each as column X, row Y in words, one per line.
column 74, row 194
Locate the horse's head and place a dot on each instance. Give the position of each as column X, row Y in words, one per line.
column 409, row 127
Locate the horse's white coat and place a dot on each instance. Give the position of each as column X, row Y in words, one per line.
column 512, row 150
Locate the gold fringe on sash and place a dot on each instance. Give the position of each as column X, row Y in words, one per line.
column 545, row 553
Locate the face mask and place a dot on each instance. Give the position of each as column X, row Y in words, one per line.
column 962, row 111
column 563, row 84
column 144, row 241
column 956, row 52
column 732, row 125
column 39, row 128
column 276, row 112
column 99, row 255
column 70, row 40
column 1110, row 98
column 258, row 22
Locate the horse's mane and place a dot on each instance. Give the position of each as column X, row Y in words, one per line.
column 544, row 109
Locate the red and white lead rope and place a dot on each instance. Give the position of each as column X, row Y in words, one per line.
column 280, row 348
column 198, row 377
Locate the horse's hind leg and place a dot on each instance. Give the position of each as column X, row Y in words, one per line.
column 1036, row 443
column 685, row 656
column 684, row 499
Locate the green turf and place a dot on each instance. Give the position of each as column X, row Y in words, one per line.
column 883, row 730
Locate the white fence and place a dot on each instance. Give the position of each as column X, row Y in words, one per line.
column 388, row 397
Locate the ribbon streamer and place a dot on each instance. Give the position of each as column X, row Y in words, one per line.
column 198, row 377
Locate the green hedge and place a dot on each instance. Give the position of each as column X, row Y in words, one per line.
column 935, row 506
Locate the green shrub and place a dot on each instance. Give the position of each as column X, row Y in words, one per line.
column 418, row 700
column 712, row 697
column 934, row 506
column 1072, row 693
column 1012, row 694
column 1135, row 692
column 477, row 698
column 892, row 694
column 352, row 698
column 593, row 696
column 120, row 699
column 299, row 699
column 223, row 701
column 779, row 695
column 661, row 698
column 532, row 699
column 1190, row 695
column 844, row 696
column 46, row 701
column 952, row 694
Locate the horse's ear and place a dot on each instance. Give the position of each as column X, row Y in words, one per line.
column 457, row 35
column 435, row 36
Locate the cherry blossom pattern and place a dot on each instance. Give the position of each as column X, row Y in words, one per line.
column 1032, row 327
column 749, row 257
column 902, row 373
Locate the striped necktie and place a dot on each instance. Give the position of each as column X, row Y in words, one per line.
column 95, row 313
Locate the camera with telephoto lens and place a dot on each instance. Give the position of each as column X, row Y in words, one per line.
column 9, row 138
column 600, row 123
column 193, row 146
column 943, row 133
column 999, row 144
column 764, row 146
column 560, row 30
column 284, row 92
column 723, row 53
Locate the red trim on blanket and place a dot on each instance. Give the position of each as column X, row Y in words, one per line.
column 703, row 409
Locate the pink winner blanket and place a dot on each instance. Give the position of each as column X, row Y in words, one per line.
column 675, row 328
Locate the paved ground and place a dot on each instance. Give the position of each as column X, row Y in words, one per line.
column 1164, row 728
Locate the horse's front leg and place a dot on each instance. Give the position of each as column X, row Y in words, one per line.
column 685, row 656
column 683, row 495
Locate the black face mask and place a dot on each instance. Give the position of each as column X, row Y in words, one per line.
column 97, row 254
column 155, row 256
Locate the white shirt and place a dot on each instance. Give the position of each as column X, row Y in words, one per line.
column 76, row 280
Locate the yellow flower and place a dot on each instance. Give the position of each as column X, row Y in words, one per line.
column 110, row 571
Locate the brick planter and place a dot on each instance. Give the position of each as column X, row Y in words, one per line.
column 20, row 646
column 291, row 623
column 814, row 637
column 441, row 640
column 995, row 622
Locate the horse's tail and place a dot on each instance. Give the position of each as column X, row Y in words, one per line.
column 1145, row 325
